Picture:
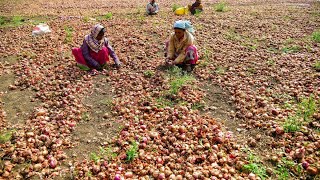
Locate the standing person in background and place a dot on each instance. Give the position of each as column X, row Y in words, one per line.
column 180, row 50
column 95, row 50
column 152, row 8
column 196, row 6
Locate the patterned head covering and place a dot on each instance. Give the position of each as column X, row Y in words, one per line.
column 91, row 39
column 186, row 25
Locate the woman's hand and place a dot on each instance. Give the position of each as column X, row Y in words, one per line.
column 168, row 61
column 118, row 65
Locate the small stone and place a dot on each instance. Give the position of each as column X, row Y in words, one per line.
column 12, row 87
column 213, row 108
column 105, row 143
column 100, row 133
column 106, row 116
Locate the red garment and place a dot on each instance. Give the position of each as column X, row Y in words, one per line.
column 192, row 54
column 101, row 57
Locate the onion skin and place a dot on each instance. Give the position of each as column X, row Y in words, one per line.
column 312, row 170
column 305, row 164
column 161, row 176
column 128, row 175
column 118, row 177
column 252, row 176
column 53, row 163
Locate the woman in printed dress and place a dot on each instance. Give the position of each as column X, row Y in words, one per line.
column 152, row 8
column 95, row 50
column 196, row 7
column 180, row 50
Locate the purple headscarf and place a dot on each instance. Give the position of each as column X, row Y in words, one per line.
column 91, row 39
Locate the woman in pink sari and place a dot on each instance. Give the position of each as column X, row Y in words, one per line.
column 95, row 50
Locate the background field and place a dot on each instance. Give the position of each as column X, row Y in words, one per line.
column 249, row 110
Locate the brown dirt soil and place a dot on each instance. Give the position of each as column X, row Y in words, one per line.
column 222, row 109
column 17, row 104
column 98, row 126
